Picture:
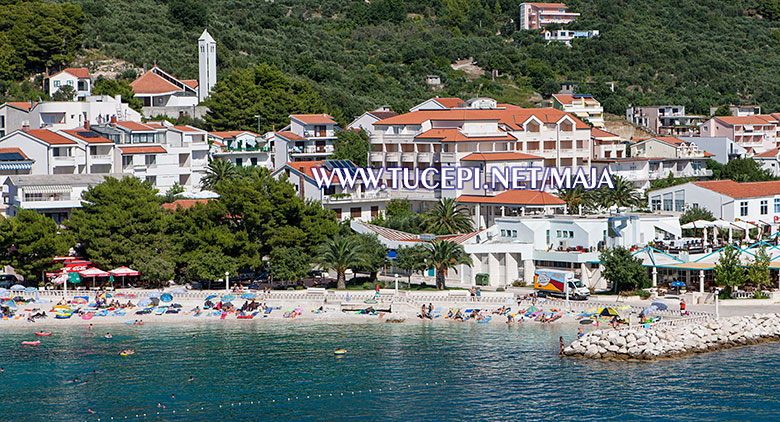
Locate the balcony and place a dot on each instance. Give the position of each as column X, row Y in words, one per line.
column 424, row 157
column 312, row 150
column 101, row 159
column 356, row 197
column 377, row 156
column 409, row 157
column 311, row 134
column 392, row 157
column 64, row 160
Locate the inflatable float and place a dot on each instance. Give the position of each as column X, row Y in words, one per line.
column 62, row 316
column 43, row 334
column 31, row 343
column 340, row 352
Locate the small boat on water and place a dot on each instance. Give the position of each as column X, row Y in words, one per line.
column 340, row 352
column 31, row 343
column 43, row 333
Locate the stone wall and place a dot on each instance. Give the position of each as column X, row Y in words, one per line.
column 675, row 341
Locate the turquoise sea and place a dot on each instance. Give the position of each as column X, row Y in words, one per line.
column 262, row 371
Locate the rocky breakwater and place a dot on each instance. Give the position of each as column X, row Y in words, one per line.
column 675, row 341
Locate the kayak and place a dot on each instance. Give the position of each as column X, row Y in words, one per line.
column 340, row 352
column 31, row 343
column 42, row 334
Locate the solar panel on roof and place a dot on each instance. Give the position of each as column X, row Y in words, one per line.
column 11, row 156
column 88, row 134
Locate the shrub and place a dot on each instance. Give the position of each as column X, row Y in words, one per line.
column 519, row 283
column 500, row 289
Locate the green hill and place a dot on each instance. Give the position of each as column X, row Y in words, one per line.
column 360, row 55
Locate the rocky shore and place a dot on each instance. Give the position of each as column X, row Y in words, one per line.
column 676, row 341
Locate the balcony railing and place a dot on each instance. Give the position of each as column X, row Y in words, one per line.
column 327, row 149
column 356, row 196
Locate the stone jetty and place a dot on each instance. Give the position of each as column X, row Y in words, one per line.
column 667, row 341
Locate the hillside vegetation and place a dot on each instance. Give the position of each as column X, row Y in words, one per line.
column 359, row 55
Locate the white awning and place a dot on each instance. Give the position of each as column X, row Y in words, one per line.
column 47, row 189
column 15, row 166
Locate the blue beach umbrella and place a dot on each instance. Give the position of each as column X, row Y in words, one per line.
column 17, row 288
column 144, row 303
column 677, row 284
column 10, row 304
column 154, row 294
column 4, row 293
column 228, row 298
column 166, row 297
column 248, row 296
column 660, row 306
column 31, row 290
column 210, row 297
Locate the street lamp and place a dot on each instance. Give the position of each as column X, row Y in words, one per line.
column 227, row 281
column 717, row 311
column 396, row 284
column 258, row 124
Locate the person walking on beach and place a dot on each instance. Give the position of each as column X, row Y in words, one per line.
column 683, row 312
column 479, row 293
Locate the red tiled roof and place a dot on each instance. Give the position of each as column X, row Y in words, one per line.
column 610, row 160
column 186, row 129
column 668, row 139
column 451, row 102
column 155, row 125
column 134, row 126
column 744, row 120
column 600, row 134
column 24, row 105
column 14, row 150
column 192, row 83
column 291, row 136
column 143, row 150
column 510, row 115
column 230, row 133
column 733, row 189
column 314, row 119
column 306, row 166
column 514, row 197
column 707, row 154
column 454, row 135
column 567, row 99
column 772, row 153
column 383, row 114
column 499, row 156
column 183, row 204
column 152, row 83
column 91, row 138
column 79, row 72
column 50, row 137
column 550, row 5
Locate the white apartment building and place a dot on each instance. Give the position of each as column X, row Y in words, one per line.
column 758, row 132
column 567, row 35
column 756, row 202
column 356, row 204
column 94, row 110
column 584, row 106
column 15, row 115
column 607, row 144
column 51, row 152
column 52, row 195
column 76, row 77
column 366, row 120
column 242, row 148
column 309, row 137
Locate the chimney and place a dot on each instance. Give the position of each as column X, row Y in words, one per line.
column 302, row 182
column 86, row 124
column 113, row 121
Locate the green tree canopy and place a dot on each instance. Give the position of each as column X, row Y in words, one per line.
column 729, row 271
column 339, row 253
column 623, row 270
column 696, row 213
column 29, row 242
column 218, row 170
column 65, row 93
column 121, row 224
column 444, row 255
column 351, row 145
column 114, row 87
column 743, row 170
column 448, row 217
column 373, row 255
column 758, row 271
column 412, row 259
column 290, row 264
column 259, row 91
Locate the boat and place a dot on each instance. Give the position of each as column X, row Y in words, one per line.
column 43, row 334
column 340, row 352
column 31, row 343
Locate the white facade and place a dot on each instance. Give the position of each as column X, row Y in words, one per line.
column 581, row 105
column 78, row 78
column 242, row 148
column 15, row 115
column 95, row 110
column 722, row 148
column 365, row 121
column 567, row 35
column 207, row 65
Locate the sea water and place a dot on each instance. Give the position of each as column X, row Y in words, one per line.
column 265, row 371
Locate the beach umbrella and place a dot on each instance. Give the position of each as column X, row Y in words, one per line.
column 649, row 309
column 209, row 297
column 609, row 311
column 532, row 309
column 677, row 284
column 31, row 290
column 4, row 292
column 178, row 291
column 17, row 288
column 228, row 298
column 153, row 294
column 79, row 300
column 155, row 301
column 10, row 304
column 166, row 297
column 144, row 303
column 248, row 296
column 660, row 306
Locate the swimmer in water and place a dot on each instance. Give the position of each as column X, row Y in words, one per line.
column 192, row 378
column 108, row 335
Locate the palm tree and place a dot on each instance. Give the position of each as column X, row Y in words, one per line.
column 217, row 171
column 573, row 198
column 448, row 217
column 340, row 253
column 443, row 255
column 624, row 194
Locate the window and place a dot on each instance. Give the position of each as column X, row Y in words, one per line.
column 56, row 84
column 355, row 212
column 152, row 180
column 571, row 235
column 514, row 233
column 743, row 208
column 764, row 207
column 239, row 162
column 655, row 204
column 61, row 152
column 548, row 237
column 142, row 138
column 338, row 212
column 127, row 161
column 151, row 160
column 777, row 205
column 70, row 83
column 2, row 121
column 374, row 211
column 503, row 233
column 558, row 234
column 254, row 161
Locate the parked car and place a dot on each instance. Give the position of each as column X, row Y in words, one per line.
column 8, row 280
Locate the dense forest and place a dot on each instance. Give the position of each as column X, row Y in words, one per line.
column 358, row 55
